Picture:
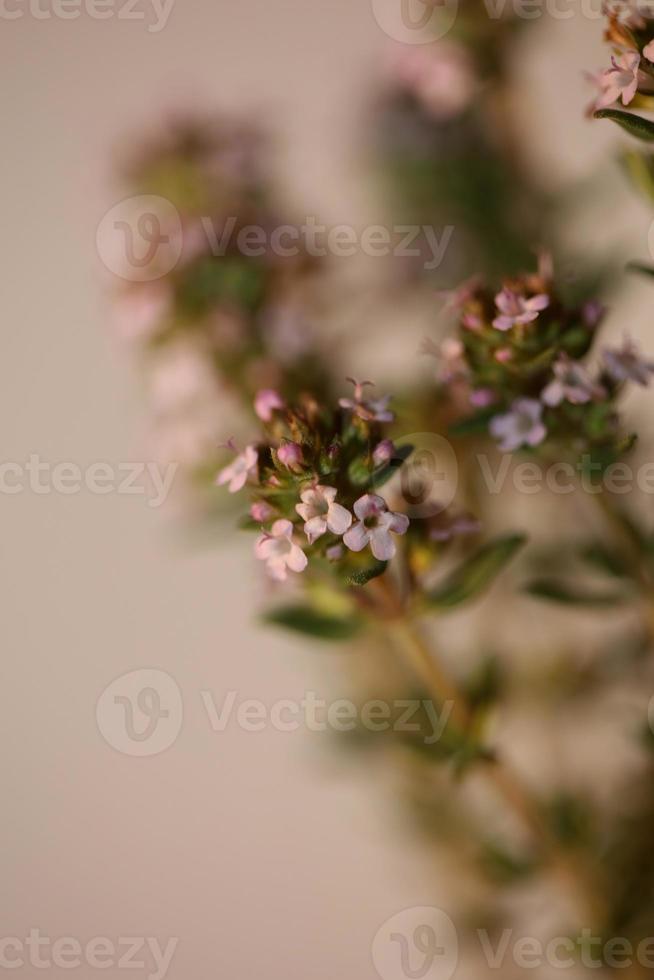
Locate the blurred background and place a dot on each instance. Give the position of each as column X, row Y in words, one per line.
column 259, row 851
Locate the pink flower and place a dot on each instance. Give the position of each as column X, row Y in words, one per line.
column 321, row 513
column 261, row 511
column 280, row 552
column 516, row 309
column 374, row 527
column 521, row 426
column 571, row 383
column 482, row 397
column 371, row 410
column 290, row 454
column 383, row 452
column 627, row 364
column 619, row 81
column 266, row 402
column 648, row 51
column 238, row 472
column 453, row 364
column 440, row 76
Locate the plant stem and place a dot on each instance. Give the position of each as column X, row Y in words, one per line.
column 410, row 643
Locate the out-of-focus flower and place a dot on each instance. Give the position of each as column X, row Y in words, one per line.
column 383, row 452
column 280, row 552
column 626, row 363
column 441, row 76
column 593, row 313
column 369, row 410
column 521, row 426
column 140, row 311
column 266, row 402
column 375, row 526
column 618, row 82
column 452, row 356
column 321, row 513
column 261, row 512
column 445, row 527
column 240, row 470
column 290, row 454
column 335, row 552
column 516, row 309
column 482, row 397
column 572, row 383
column 648, row 51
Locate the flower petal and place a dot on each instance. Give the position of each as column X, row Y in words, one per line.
column 357, row 537
column 339, row 519
column 296, row 559
column 382, row 544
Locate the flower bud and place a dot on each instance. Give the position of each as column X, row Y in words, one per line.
column 383, row 452
column 290, row 454
column 266, row 402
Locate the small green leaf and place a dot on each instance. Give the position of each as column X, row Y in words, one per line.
column 308, row 621
column 642, row 129
column 641, row 268
column 569, row 595
column 364, row 575
column 477, row 572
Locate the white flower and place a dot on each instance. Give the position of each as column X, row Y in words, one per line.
column 374, row 527
column 280, row 552
column 627, row 363
column 320, row 513
column 238, row 472
column 571, row 383
column 521, row 426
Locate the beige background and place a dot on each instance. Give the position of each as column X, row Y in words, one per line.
column 266, row 854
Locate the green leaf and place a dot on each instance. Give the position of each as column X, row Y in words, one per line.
column 308, row 621
column 570, row 595
column 642, row 129
column 607, row 560
column 477, row 572
column 641, row 268
column 364, row 575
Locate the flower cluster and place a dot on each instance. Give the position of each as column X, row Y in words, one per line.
column 630, row 32
column 219, row 324
column 520, row 362
column 314, row 481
